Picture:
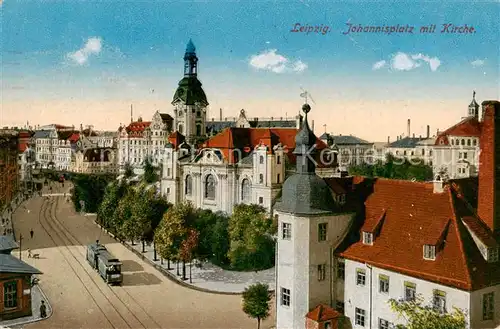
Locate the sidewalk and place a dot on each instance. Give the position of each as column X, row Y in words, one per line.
column 37, row 296
column 7, row 227
column 208, row 278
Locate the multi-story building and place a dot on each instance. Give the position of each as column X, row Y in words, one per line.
column 240, row 164
column 54, row 145
column 352, row 150
column 346, row 246
column 9, row 167
column 143, row 139
column 94, row 160
column 456, row 150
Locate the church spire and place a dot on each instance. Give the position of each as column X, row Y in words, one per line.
column 190, row 60
column 305, row 146
column 473, row 107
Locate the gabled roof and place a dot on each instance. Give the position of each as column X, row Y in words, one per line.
column 136, row 128
column 414, row 216
column 468, row 127
column 323, row 313
column 42, row 134
column 11, row 264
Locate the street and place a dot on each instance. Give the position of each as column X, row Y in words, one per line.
column 81, row 299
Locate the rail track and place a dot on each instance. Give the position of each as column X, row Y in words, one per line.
column 56, row 229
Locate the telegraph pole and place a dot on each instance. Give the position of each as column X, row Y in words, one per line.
column 20, row 246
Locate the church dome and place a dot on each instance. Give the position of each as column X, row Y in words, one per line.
column 190, row 92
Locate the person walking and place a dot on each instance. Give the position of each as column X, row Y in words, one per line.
column 43, row 310
column 31, row 233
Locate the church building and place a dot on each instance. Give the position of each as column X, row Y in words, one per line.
column 243, row 163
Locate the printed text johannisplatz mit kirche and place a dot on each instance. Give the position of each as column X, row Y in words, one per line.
column 447, row 28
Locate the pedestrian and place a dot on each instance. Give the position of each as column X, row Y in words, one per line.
column 43, row 310
column 31, row 233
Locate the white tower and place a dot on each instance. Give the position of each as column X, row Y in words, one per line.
column 309, row 230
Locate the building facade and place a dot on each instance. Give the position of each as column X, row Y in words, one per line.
column 54, row 145
column 15, row 282
column 9, row 167
column 350, row 244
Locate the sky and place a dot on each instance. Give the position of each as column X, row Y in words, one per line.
column 86, row 61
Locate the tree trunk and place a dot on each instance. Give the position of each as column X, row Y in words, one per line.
column 133, row 242
column 184, row 271
column 143, row 246
column 258, row 323
column 154, row 252
column 190, row 276
column 178, row 273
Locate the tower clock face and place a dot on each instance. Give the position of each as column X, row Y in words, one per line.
column 180, row 113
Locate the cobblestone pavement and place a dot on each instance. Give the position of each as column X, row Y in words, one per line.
column 81, row 299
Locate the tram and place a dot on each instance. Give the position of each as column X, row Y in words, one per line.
column 108, row 267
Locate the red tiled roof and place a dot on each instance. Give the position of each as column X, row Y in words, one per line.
column 136, row 129
column 415, row 216
column 469, row 127
column 323, row 313
column 23, row 147
column 246, row 139
column 74, row 137
column 480, row 230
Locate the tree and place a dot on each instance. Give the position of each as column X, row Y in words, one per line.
column 129, row 171
column 256, row 302
column 250, row 235
column 150, row 175
column 419, row 316
column 187, row 251
column 219, row 240
column 122, row 214
column 112, row 195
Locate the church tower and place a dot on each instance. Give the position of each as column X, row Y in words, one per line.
column 309, row 229
column 473, row 107
column 190, row 102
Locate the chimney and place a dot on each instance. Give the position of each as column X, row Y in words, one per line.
column 220, row 115
column 81, row 127
column 428, row 131
column 312, row 123
column 408, row 128
column 413, row 135
column 131, row 113
column 488, row 208
column 437, row 132
column 388, row 139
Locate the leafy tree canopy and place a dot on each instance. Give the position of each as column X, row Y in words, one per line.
column 256, row 302
column 420, row 316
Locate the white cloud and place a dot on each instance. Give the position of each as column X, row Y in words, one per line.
column 270, row 60
column 378, row 65
column 406, row 62
column 93, row 46
column 477, row 63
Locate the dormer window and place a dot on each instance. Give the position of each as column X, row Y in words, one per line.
column 341, row 198
column 367, row 238
column 493, row 255
column 429, row 252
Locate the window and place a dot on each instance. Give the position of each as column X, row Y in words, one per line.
column 465, row 155
column 367, row 238
column 261, row 200
column 322, row 230
column 474, row 142
column 360, row 277
column 383, row 324
column 278, row 178
column 198, row 130
column 429, row 252
column 439, row 301
column 360, row 317
column 278, row 159
column 488, row 306
column 261, row 159
column 493, row 254
column 468, row 142
column 340, row 270
column 463, row 142
column 245, row 190
column 168, row 190
column 210, row 186
column 286, row 231
column 321, row 272
column 10, row 294
column 168, row 171
column 188, row 185
column 285, row 297
column 383, row 284
column 328, row 325
column 410, row 291
column 181, row 128
column 340, row 306
column 261, row 178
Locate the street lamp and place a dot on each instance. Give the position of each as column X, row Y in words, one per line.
column 20, row 246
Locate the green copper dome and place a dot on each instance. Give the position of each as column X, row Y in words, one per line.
column 190, row 92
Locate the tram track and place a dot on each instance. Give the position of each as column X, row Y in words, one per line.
column 73, row 240
column 48, row 214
